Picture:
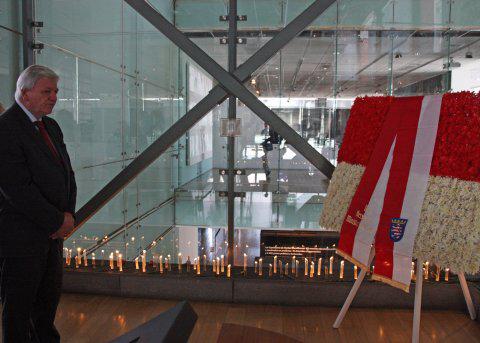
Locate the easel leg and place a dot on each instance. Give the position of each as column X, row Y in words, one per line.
column 418, row 303
column 352, row 294
column 466, row 294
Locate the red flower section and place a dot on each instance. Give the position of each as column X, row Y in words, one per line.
column 457, row 149
column 363, row 127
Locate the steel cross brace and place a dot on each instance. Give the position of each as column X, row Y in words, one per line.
column 231, row 82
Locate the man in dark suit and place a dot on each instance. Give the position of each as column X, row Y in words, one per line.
column 37, row 203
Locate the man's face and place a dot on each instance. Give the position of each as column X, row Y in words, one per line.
column 41, row 99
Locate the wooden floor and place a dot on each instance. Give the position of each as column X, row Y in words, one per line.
column 85, row 318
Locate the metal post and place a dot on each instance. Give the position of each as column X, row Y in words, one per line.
column 28, row 33
column 232, row 114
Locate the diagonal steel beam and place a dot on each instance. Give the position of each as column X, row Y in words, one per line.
column 232, row 84
column 216, row 96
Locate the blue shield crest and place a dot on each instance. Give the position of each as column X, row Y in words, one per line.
column 397, row 228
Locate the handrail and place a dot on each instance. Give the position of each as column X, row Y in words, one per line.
column 107, row 238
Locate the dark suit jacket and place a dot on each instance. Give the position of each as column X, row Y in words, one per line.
column 35, row 189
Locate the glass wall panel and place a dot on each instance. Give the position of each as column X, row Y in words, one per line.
column 10, row 59
column 427, row 14
column 464, row 14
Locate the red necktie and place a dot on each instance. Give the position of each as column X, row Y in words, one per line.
column 46, row 138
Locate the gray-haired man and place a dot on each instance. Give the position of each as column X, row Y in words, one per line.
column 37, row 202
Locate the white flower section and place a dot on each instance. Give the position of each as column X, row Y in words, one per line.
column 449, row 231
column 340, row 192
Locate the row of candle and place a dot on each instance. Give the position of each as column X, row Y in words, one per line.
column 218, row 265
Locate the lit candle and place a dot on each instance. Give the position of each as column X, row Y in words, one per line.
column 342, row 266
column 426, row 270
column 111, row 261
column 120, row 263
column 245, row 263
column 306, row 266
column 412, row 271
column 103, row 257
column 198, row 265
column 319, row 269
column 180, row 262
column 330, row 270
column 69, row 256
column 222, row 264
column 437, row 275
column 93, row 259
column 293, row 264
column 85, row 261
column 204, row 263
column 286, row 268
column 214, row 267
column 297, row 263
column 169, row 263
column 355, row 272
column 188, row 264
column 256, row 267
column 280, row 267
column 229, row 268
column 195, row 264
column 269, row 269
column 218, row 265
column 447, row 271
column 160, row 264
column 76, row 262
column 312, row 269
column 79, row 256
column 136, row 264
column 144, row 261
column 260, row 267
column 274, row 264
column 116, row 254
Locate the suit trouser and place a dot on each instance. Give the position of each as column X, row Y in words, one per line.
column 30, row 290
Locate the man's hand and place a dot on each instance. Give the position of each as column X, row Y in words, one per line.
column 66, row 228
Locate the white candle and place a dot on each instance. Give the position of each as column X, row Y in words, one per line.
column 330, row 270
column 319, row 269
column 274, row 264
column 136, row 264
column 218, row 265
column 204, row 263
column 306, row 267
column 437, row 275
column 180, row 262
column 120, row 263
column 79, row 256
column 355, row 272
column 280, row 267
column 426, row 270
column 229, row 267
column 342, row 266
column 245, row 263
column 169, row 263
column 93, row 259
column 160, row 264
column 293, row 264
column 269, row 269
column 412, row 271
column 144, row 261
column 256, row 267
column 297, row 263
column 286, row 268
column 198, row 265
column 447, row 271
column 312, row 269
column 85, row 261
column 214, row 267
column 260, row 267
column 195, row 264
column 111, row 261
column 222, row 264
